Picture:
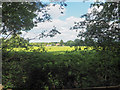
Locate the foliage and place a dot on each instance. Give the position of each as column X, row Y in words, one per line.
column 15, row 41
column 19, row 17
column 23, row 16
column 69, row 43
column 53, row 49
column 35, row 70
column 43, row 44
column 61, row 42
column 80, row 44
column 102, row 25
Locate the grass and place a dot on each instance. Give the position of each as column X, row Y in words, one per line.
column 51, row 48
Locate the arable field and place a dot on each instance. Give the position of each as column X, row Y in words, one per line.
column 53, row 48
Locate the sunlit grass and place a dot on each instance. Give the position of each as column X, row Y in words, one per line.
column 52, row 48
column 59, row 48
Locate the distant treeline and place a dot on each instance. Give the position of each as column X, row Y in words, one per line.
column 76, row 42
column 44, row 44
column 17, row 41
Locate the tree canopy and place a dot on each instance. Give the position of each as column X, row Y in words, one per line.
column 61, row 42
column 23, row 16
column 17, row 16
column 103, row 26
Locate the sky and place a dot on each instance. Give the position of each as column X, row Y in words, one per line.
column 62, row 22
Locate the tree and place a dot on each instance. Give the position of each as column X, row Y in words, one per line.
column 89, row 42
column 102, row 26
column 17, row 16
column 22, row 16
column 69, row 43
column 77, row 42
column 15, row 42
column 61, row 42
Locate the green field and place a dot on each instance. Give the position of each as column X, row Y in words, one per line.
column 51, row 48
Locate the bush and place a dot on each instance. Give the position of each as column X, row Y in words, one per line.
column 80, row 69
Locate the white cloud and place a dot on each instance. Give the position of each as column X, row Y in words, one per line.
column 28, row 35
column 70, row 21
column 62, row 26
column 54, row 10
column 112, row 0
column 90, row 10
column 99, row 0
